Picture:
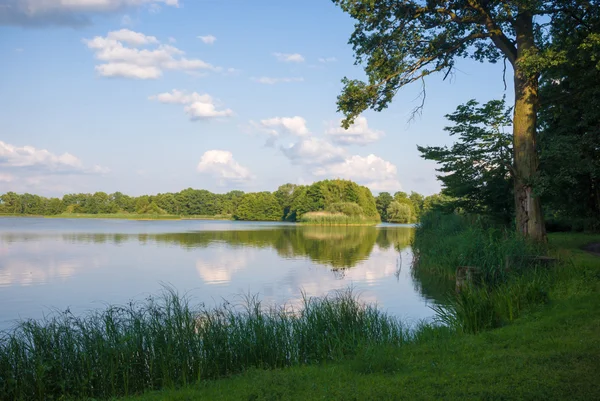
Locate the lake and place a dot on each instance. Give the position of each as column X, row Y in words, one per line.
column 83, row 264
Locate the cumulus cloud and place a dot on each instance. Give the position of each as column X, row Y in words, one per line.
column 198, row 107
column 358, row 133
column 124, row 53
column 323, row 159
column 221, row 165
column 372, row 171
column 314, row 152
column 208, row 39
column 273, row 81
column 67, row 12
column 131, row 37
column 289, row 57
column 279, row 126
column 29, row 163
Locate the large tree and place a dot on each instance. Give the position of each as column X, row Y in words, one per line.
column 403, row 41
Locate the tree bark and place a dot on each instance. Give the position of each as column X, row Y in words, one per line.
column 529, row 217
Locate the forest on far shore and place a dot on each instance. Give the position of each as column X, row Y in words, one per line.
column 288, row 203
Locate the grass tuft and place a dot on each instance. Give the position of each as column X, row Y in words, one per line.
column 336, row 219
column 164, row 342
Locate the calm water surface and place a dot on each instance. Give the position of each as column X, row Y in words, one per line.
column 80, row 264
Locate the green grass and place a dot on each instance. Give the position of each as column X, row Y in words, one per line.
column 444, row 242
column 551, row 351
column 548, row 355
column 164, row 342
column 335, row 349
column 336, row 219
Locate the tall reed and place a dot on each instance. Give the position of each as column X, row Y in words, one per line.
column 165, row 342
column 507, row 276
column 443, row 242
column 341, row 219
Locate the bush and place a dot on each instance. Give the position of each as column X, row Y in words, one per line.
column 347, row 208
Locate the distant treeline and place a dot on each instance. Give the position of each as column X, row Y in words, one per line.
column 288, row 203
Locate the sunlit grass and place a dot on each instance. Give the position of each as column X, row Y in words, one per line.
column 336, row 219
column 165, row 342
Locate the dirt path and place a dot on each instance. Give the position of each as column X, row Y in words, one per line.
column 593, row 248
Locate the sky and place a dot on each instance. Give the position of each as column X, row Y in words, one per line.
column 151, row 96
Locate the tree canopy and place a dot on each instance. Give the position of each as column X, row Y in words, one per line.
column 403, row 41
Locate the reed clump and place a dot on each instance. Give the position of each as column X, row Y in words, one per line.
column 444, row 242
column 165, row 342
column 508, row 277
column 336, row 219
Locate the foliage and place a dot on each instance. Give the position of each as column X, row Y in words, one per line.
column 347, row 208
column 477, row 168
column 570, row 126
column 288, row 203
column 382, row 201
column 401, row 42
column 165, row 342
column 399, row 213
column 439, row 203
column 319, row 195
column 414, row 203
column 261, row 206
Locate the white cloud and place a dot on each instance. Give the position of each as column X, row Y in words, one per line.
column 181, row 97
column 126, row 70
column 133, row 62
column 273, row 81
column 198, row 107
column 172, row 39
column 208, row 39
column 314, row 151
column 202, row 111
column 221, row 165
column 289, row 57
column 358, row 133
column 40, row 161
column 131, row 37
column 279, row 126
column 371, row 171
column 67, row 12
column 327, row 60
column 323, row 159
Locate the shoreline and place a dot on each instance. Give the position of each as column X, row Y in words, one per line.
column 141, row 217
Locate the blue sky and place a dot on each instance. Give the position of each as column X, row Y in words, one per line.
column 148, row 96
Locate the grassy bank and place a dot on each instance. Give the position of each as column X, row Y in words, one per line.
column 167, row 342
column 334, row 348
column 549, row 352
column 336, row 219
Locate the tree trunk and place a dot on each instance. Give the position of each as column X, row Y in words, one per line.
column 529, row 218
